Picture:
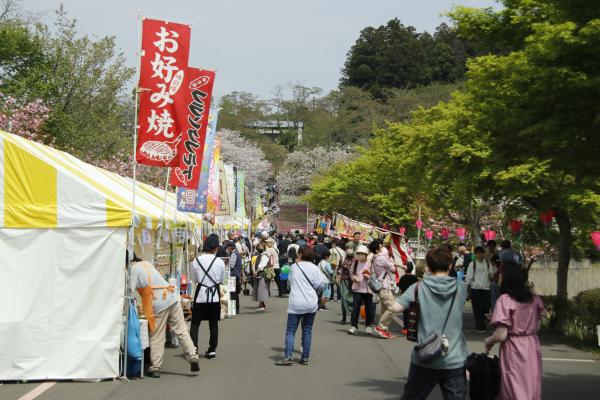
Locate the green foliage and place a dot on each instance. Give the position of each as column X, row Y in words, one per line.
column 239, row 110
column 576, row 318
column 397, row 56
column 82, row 80
column 523, row 135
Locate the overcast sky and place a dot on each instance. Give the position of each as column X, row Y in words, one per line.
column 257, row 44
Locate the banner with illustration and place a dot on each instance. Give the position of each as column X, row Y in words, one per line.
column 213, row 180
column 223, row 204
column 240, row 198
column 163, row 65
column 192, row 116
column 211, row 133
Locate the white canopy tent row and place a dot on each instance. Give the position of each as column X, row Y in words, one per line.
column 63, row 237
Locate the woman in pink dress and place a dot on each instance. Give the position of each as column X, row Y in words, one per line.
column 517, row 319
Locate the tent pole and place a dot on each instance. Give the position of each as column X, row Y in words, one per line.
column 162, row 217
column 130, row 239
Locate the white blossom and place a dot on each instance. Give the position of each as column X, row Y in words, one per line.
column 303, row 164
column 246, row 156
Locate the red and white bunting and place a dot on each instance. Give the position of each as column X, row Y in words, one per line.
column 164, row 60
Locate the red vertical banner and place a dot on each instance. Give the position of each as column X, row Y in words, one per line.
column 194, row 100
column 164, row 60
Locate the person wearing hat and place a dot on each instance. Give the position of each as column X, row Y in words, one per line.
column 273, row 253
column 344, row 277
column 336, row 258
column 161, row 306
column 235, row 270
column 362, row 295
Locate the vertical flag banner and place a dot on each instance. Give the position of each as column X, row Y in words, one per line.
column 240, row 195
column 213, row 180
column 206, row 160
column 223, row 193
column 230, row 175
column 164, row 60
column 192, row 116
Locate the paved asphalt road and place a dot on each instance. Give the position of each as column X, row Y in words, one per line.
column 341, row 366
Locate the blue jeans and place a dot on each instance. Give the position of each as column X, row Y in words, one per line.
column 421, row 382
column 292, row 325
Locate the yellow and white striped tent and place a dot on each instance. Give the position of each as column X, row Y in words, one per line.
column 63, row 234
column 47, row 188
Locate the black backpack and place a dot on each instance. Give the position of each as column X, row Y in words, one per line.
column 484, row 371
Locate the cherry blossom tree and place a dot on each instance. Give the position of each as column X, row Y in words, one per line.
column 302, row 165
column 24, row 118
column 246, row 156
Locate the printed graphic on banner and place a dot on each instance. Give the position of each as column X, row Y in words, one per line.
column 164, row 59
column 206, row 160
column 192, row 115
column 223, row 199
column 213, row 180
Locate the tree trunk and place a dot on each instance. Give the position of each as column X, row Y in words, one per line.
column 476, row 232
column 564, row 252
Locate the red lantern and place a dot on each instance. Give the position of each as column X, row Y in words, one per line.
column 445, row 233
column 419, row 224
column 429, row 234
column 515, row 226
column 489, row 235
column 596, row 239
column 461, row 233
column 402, row 230
column 547, row 217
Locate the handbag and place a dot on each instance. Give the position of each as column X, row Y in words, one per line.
column 484, row 372
column 318, row 291
column 375, row 284
column 435, row 345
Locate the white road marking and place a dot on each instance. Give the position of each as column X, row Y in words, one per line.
column 37, row 391
column 569, row 360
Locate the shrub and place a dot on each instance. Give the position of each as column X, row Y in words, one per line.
column 575, row 319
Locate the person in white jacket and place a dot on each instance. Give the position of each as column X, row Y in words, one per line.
column 478, row 279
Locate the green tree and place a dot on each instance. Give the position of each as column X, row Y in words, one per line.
column 239, row 110
column 538, row 104
column 83, row 81
column 397, row 56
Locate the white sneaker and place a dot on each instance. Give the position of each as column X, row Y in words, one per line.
column 369, row 331
column 353, row 331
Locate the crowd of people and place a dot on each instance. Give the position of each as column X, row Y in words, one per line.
column 315, row 271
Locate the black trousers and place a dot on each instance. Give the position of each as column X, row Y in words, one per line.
column 335, row 292
column 236, row 295
column 421, row 382
column 361, row 299
column 480, row 300
column 213, row 326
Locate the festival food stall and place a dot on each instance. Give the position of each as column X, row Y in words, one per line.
column 63, row 234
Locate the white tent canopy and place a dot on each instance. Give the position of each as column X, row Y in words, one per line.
column 63, row 235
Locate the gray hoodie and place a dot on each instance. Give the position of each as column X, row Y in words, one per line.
column 435, row 296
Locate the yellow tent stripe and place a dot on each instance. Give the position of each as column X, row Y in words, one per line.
column 30, row 197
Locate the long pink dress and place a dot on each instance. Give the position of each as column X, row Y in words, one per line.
column 520, row 354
